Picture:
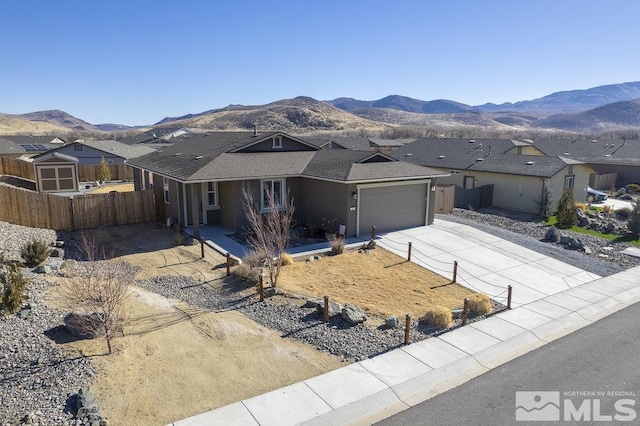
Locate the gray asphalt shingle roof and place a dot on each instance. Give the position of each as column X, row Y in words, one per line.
column 622, row 152
column 209, row 157
column 118, row 148
column 478, row 154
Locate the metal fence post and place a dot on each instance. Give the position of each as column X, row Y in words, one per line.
column 261, row 288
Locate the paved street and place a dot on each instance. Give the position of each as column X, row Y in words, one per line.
column 604, row 356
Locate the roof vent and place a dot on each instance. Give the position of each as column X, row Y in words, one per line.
column 440, row 157
column 566, row 153
column 529, row 163
column 594, row 141
column 199, row 157
column 177, row 154
column 607, row 155
column 408, row 155
column 472, row 141
column 480, row 159
column 255, row 130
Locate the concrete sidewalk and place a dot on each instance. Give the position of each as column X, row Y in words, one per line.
column 376, row 388
column 551, row 299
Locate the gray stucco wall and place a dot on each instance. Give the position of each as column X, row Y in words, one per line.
column 329, row 202
column 89, row 155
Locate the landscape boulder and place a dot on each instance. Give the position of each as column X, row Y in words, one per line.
column 391, row 321
column 334, row 308
column 43, row 269
column 371, row 245
column 86, row 409
column 353, row 314
column 571, row 243
column 56, row 252
column 552, row 235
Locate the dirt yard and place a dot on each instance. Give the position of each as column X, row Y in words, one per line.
column 378, row 281
column 176, row 360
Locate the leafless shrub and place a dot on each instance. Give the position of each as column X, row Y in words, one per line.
column 98, row 289
column 269, row 230
column 438, row 316
column 336, row 242
column 479, row 304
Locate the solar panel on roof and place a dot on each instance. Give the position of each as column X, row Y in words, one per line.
column 34, row 147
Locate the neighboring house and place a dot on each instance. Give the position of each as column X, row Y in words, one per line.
column 156, row 135
column 91, row 152
column 26, row 147
column 56, row 172
column 200, row 178
column 621, row 157
column 518, row 179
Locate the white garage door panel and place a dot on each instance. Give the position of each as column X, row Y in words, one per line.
column 392, row 207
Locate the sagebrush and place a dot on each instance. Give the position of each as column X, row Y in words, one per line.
column 336, row 242
column 34, row 253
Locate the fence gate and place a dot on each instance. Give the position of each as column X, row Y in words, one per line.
column 444, row 198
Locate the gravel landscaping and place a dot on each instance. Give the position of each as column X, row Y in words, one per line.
column 36, row 377
column 606, row 257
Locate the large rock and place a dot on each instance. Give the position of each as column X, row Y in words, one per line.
column 43, row 269
column 571, row 243
column 353, row 314
column 334, row 308
column 552, row 235
column 583, row 219
column 391, row 321
column 56, row 252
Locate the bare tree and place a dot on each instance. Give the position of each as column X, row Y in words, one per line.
column 269, row 229
column 96, row 291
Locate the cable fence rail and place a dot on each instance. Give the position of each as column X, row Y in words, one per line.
column 498, row 293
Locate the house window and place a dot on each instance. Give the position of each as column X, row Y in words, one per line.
column 277, row 142
column 568, row 181
column 272, row 189
column 212, row 194
column 165, row 185
column 77, row 147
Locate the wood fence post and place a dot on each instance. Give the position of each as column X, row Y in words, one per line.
column 202, row 247
column 407, row 327
column 455, row 271
column 509, row 289
column 326, row 310
column 409, row 252
column 261, row 288
column 464, row 311
column 373, row 232
column 228, row 264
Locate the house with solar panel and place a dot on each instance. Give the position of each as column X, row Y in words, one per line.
column 25, row 147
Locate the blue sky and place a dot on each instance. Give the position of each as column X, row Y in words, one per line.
column 135, row 62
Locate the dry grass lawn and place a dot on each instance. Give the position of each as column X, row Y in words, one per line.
column 120, row 187
column 379, row 282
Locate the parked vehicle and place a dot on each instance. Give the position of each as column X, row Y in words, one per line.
column 595, row 196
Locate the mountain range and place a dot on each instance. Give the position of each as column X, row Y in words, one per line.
column 600, row 109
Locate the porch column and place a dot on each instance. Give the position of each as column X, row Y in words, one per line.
column 195, row 209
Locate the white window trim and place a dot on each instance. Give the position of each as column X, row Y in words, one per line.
column 277, row 142
column 205, row 196
column 165, row 190
column 572, row 179
column 282, row 193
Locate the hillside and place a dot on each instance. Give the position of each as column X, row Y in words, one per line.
column 615, row 116
column 58, row 117
column 296, row 115
column 572, row 100
column 403, row 103
column 17, row 125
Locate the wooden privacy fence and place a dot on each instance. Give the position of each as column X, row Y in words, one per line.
column 604, row 181
column 15, row 167
column 86, row 172
column 40, row 210
column 89, row 172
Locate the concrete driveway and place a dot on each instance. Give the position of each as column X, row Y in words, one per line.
column 486, row 263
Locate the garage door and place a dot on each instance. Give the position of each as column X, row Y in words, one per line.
column 392, row 207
